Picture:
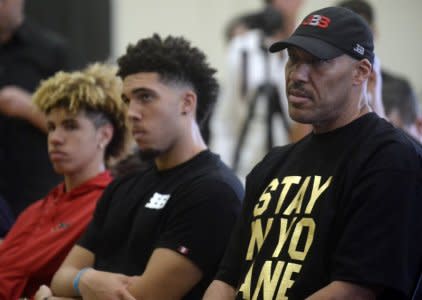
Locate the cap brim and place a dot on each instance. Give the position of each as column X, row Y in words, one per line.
column 314, row 46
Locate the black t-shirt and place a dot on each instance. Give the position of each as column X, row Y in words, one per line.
column 339, row 206
column 26, row 174
column 190, row 209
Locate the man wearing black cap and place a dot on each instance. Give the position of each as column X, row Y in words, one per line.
column 335, row 215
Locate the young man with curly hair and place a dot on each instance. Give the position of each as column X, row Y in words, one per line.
column 160, row 233
column 87, row 126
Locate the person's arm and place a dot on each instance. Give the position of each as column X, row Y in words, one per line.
column 341, row 290
column 224, row 285
column 16, row 102
column 219, row 290
column 77, row 259
column 93, row 284
column 44, row 292
column 166, row 268
column 384, row 224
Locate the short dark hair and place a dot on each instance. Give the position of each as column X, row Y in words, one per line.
column 398, row 94
column 175, row 60
column 269, row 20
column 361, row 7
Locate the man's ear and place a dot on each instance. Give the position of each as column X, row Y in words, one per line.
column 105, row 135
column 189, row 100
column 362, row 72
column 418, row 124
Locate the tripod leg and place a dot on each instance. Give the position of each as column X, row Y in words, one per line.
column 244, row 131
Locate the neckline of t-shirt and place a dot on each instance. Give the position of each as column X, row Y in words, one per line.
column 191, row 161
column 342, row 131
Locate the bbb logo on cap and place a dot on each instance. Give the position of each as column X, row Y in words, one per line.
column 317, row 21
column 330, row 32
column 359, row 49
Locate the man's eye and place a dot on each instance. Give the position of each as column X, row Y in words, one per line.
column 125, row 100
column 70, row 126
column 145, row 97
column 319, row 62
column 50, row 127
column 293, row 59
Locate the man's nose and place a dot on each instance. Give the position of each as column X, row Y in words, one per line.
column 299, row 72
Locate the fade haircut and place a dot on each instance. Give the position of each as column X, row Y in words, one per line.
column 176, row 61
column 95, row 91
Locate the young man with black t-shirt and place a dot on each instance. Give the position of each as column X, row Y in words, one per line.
column 337, row 214
column 159, row 233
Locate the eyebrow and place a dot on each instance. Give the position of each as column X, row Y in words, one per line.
column 136, row 91
column 67, row 120
column 141, row 89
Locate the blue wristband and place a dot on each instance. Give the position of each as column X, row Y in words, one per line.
column 77, row 279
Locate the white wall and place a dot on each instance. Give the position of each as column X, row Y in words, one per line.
column 202, row 21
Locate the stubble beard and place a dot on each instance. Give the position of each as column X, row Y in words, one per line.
column 148, row 154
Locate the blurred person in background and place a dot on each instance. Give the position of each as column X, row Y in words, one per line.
column 392, row 95
column 28, row 54
column 402, row 106
column 251, row 116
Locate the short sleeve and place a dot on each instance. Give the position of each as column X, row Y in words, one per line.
column 201, row 219
column 231, row 266
column 381, row 240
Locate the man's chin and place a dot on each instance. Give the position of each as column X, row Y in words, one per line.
column 299, row 115
column 148, row 154
column 299, row 118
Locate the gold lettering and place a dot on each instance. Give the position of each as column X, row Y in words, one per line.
column 257, row 236
column 293, row 251
column 317, row 190
column 265, row 198
column 267, row 282
column 296, row 204
column 287, row 182
column 284, row 234
column 245, row 288
column 286, row 281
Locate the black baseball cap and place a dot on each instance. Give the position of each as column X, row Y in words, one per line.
column 331, row 32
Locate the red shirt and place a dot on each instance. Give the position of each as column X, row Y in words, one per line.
column 43, row 234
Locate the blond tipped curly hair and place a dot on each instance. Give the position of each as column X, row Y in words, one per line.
column 94, row 90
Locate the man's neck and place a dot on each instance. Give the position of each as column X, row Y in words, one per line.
column 183, row 150
column 6, row 34
column 5, row 37
column 72, row 181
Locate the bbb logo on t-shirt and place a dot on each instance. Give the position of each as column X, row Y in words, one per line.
column 157, row 201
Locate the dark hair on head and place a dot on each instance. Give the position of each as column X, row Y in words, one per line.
column 398, row 94
column 361, row 7
column 175, row 60
column 269, row 20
